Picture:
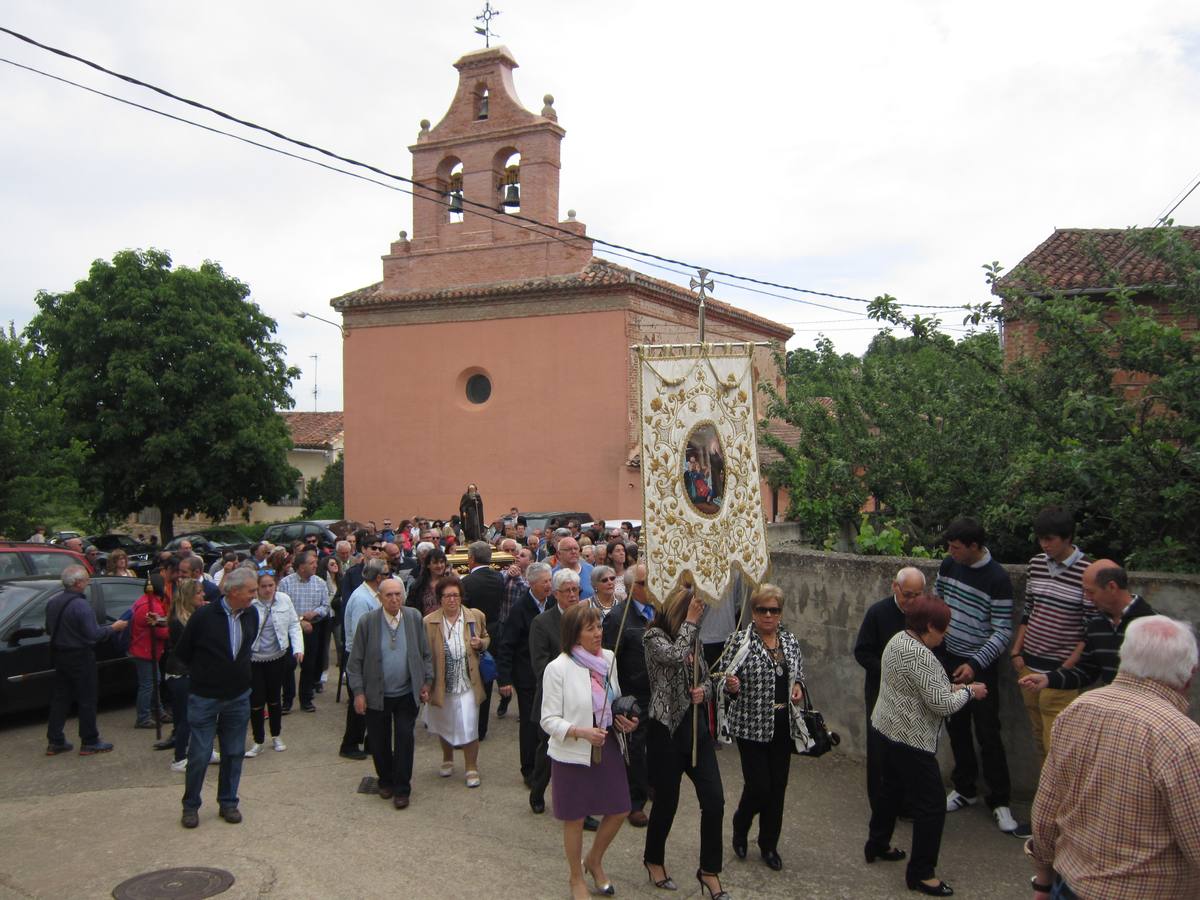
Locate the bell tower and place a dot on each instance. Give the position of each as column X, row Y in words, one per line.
column 487, row 160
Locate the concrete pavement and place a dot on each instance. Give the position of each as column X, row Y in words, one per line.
column 75, row 827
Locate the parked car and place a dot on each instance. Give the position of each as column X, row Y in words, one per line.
column 286, row 532
column 21, row 558
column 544, row 520
column 211, row 543
column 59, row 536
column 26, row 673
column 609, row 524
column 138, row 553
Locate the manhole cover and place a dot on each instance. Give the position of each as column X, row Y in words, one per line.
column 193, row 883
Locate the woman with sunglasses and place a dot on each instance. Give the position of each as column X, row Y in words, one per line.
column 763, row 674
column 604, row 585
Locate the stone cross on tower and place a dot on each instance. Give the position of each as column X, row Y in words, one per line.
column 486, row 18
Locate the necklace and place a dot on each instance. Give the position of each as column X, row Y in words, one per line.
column 774, row 655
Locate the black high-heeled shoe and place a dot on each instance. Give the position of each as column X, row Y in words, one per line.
column 721, row 893
column 941, row 889
column 606, row 889
column 891, row 854
column 666, row 884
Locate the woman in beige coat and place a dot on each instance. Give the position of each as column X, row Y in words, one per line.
column 457, row 637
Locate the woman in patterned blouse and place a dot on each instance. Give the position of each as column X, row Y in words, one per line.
column 762, row 679
column 915, row 697
column 672, row 649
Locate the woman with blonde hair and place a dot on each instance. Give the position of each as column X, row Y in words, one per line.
column 185, row 600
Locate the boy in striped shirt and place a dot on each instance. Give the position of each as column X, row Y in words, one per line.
column 980, row 596
column 1050, row 635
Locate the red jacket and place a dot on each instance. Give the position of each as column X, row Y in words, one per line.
column 139, row 641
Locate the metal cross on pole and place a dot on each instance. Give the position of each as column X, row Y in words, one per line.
column 704, row 284
column 486, row 18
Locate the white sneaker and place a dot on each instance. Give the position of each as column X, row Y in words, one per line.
column 1004, row 819
column 179, row 765
column 214, row 759
column 278, row 744
column 956, row 801
column 254, row 750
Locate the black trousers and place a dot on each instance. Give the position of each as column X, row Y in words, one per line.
column 984, row 715
column 289, row 678
column 874, row 765
column 266, row 687
column 390, row 732
column 670, row 758
column 310, row 668
column 528, row 729
column 636, row 772
column 74, row 679
column 765, row 767
column 541, row 765
column 485, row 707
column 355, row 734
column 912, row 781
column 322, row 630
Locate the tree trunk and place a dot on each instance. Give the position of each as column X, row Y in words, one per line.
column 166, row 525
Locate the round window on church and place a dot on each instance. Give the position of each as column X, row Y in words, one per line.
column 479, row 388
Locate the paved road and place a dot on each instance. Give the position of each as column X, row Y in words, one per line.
column 74, row 827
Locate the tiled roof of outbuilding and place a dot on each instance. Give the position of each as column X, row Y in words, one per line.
column 1090, row 259
column 314, row 430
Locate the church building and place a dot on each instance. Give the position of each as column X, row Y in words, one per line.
column 513, row 339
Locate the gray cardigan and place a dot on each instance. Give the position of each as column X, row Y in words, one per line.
column 365, row 668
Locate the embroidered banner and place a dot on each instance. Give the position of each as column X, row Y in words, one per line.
column 702, row 508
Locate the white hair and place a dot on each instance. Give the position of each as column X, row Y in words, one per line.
column 1160, row 648
column 239, row 578
column 424, row 547
column 907, row 571
column 599, row 572
column 73, row 575
column 537, row 570
column 564, row 578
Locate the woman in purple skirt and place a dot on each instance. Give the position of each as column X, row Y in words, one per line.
column 587, row 771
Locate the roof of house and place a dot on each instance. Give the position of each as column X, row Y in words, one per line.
column 315, row 430
column 1090, row 259
column 599, row 273
column 789, row 434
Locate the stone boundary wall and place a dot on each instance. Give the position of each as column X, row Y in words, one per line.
column 827, row 595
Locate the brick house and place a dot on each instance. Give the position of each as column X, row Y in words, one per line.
column 1087, row 261
column 499, row 354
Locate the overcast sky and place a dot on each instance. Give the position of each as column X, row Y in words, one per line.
column 854, row 148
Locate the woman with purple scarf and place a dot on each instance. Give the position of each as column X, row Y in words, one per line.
column 587, row 772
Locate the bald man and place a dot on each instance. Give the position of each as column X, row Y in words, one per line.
column 1106, row 587
column 884, row 619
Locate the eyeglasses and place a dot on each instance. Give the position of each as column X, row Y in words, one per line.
column 609, row 578
column 569, row 590
column 768, row 610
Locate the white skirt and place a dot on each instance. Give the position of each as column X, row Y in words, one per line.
column 456, row 721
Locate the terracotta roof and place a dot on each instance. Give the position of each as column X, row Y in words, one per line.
column 599, row 273
column 789, row 434
column 1090, row 259
column 314, row 430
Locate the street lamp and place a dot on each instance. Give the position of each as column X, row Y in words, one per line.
column 308, row 315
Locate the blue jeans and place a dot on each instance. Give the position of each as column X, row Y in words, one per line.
column 180, row 688
column 226, row 720
column 145, row 690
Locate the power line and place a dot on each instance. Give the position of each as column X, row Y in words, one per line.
column 1195, row 183
column 532, row 224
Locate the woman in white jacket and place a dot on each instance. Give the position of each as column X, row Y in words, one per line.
column 587, row 769
column 279, row 629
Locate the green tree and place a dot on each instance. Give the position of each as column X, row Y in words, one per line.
column 39, row 464
column 171, row 377
column 325, row 496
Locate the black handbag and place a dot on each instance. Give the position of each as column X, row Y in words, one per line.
column 823, row 740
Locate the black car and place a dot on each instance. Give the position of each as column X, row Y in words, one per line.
column 552, row 520
column 211, row 543
column 285, row 532
column 138, row 553
column 26, row 674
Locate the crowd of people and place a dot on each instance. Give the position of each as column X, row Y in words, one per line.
column 618, row 699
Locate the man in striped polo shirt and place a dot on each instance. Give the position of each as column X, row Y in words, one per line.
column 980, row 596
column 1050, row 635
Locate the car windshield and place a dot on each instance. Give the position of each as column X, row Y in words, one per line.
column 14, row 594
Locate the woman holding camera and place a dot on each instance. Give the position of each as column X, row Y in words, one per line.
column 763, row 674
column 673, row 655
column 915, row 698
column 457, row 637
column 587, row 768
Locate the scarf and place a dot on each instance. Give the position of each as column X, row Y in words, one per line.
column 601, row 690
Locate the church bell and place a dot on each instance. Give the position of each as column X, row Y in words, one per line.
column 456, row 198
column 512, row 190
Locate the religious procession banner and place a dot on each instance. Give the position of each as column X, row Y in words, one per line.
column 702, row 514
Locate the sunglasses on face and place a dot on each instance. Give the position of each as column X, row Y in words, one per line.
column 609, row 578
column 768, row 610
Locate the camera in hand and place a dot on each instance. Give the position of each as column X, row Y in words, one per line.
column 627, row 706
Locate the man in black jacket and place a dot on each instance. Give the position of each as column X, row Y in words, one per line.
column 216, row 648
column 514, row 665
column 483, row 589
column 884, row 619
column 623, row 633
column 74, row 632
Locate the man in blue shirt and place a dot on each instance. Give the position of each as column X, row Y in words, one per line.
column 568, row 558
